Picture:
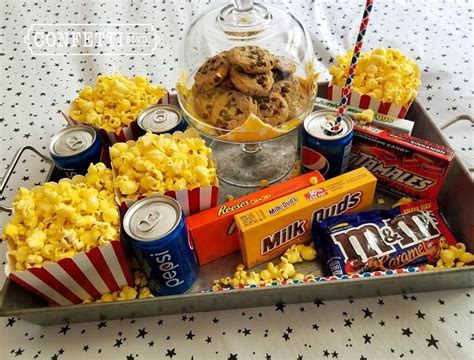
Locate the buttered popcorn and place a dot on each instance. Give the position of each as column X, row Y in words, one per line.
column 56, row 220
column 385, row 74
column 115, row 101
column 285, row 270
column 160, row 163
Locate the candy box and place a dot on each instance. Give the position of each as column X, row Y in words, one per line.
column 267, row 230
column 86, row 275
column 213, row 231
column 364, row 101
column 404, row 165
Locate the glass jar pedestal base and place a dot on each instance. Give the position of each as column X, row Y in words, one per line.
column 245, row 165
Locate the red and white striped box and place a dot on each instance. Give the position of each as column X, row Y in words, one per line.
column 191, row 201
column 87, row 275
column 131, row 132
column 363, row 101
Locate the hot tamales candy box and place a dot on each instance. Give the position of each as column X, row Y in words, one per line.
column 267, row 230
column 213, row 231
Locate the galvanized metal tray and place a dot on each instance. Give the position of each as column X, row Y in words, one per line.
column 456, row 201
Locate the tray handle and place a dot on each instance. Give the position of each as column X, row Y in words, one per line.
column 11, row 167
column 456, row 119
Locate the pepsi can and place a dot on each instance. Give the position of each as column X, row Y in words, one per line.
column 161, row 118
column 322, row 151
column 74, row 148
column 154, row 228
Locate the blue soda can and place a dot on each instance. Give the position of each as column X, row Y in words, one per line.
column 154, row 227
column 160, row 119
column 74, row 148
column 329, row 154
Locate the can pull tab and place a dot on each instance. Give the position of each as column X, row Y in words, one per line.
column 75, row 142
column 149, row 222
column 160, row 116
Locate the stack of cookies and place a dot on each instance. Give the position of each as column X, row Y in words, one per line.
column 245, row 80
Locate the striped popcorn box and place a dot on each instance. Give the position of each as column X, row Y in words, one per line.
column 87, row 275
column 363, row 101
column 131, row 132
column 191, row 201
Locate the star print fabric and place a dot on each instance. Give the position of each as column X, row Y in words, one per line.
column 438, row 35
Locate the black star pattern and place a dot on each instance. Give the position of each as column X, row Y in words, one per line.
column 441, row 319
column 326, row 353
column 286, row 336
column 367, row 338
column 318, row 302
column 268, row 357
column 348, row 322
column 246, row 332
column 85, row 348
column 315, row 327
column 420, row 315
column 170, row 353
column 130, row 357
column 362, row 357
column 280, row 307
column 367, row 313
column 160, row 322
column 335, row 355
column 151, row 343
column 441, row 302
column 10, row 322
column 209, row 339
column 458, row 344
column 232, row 357
column 215, row 320
column 118, row 343
column 300, row 357
column 190, row 335
column 432, row 342
column 64, row 329
column 382, row 323
column 380, row 302
column 102, row 324
column 407, row 332
column 142, row 333
column 19, row 352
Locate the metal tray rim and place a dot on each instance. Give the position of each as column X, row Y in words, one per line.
column 226, row 293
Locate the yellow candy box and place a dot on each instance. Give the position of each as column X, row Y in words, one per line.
column 268, row 230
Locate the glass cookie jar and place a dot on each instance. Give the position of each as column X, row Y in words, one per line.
column 247, row 78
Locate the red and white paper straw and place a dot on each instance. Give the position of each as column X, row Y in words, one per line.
column 335, row 127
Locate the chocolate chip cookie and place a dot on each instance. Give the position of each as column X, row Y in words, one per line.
column 212, row 72
column 203, row 101
column 253, row 59
column 284, row 67
column 291, row 90
column 231, row 109
column 251, row 84
column 273, row 109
